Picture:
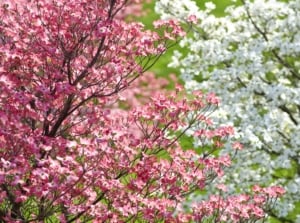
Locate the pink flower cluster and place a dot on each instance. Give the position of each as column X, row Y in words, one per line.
column 66, row 155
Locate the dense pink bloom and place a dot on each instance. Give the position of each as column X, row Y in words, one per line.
column 67, row 153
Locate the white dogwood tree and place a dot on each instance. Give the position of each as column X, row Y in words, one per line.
column 250, row 58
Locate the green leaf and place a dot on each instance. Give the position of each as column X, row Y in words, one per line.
column 186, row 142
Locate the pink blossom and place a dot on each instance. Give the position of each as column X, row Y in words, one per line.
column 237, row 146
column 192, row 19
column 212, row 99
column 222, row 187
column 72, row 151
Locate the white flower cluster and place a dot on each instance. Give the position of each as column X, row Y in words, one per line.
column 251, row 59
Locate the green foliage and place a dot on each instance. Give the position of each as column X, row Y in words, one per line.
column 287, row 172
column 273, row 220
column 293, row 215
column 220, row 5
column 186, row 142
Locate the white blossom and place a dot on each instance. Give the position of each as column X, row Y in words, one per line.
column 250, row 59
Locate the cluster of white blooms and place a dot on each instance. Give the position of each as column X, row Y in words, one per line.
column 251, row 59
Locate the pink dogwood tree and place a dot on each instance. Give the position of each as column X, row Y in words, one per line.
column 66, row 156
